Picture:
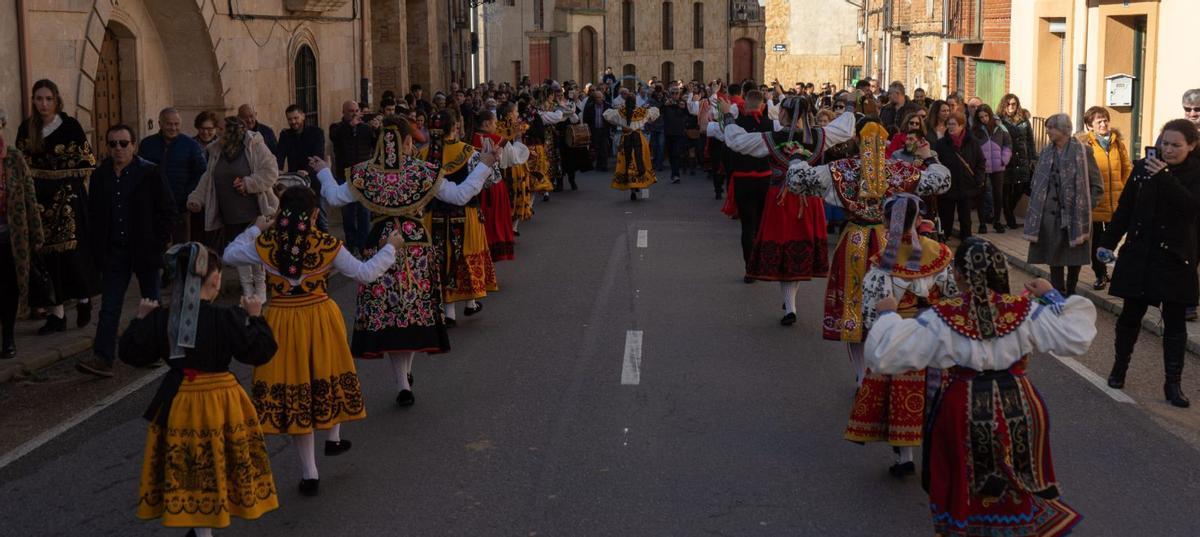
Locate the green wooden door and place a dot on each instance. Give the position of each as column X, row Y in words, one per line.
column 989, row 82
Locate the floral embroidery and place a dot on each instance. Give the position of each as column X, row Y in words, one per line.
column 286, row 407
column 1012, row 311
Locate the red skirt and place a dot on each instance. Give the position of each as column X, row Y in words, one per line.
column 792, row 243
column 496, row 208
column 999, row 480
column 889, row 408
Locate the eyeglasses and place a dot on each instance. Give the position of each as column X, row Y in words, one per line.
column 112, row 144
column 915, row 122
column 1191, row 109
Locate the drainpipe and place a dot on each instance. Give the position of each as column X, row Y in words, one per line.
column 1081, row 85
column 23, row 55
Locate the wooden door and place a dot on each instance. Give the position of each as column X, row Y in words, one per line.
column 743, row 60
column 587, row 55
column 106, row 96
column 989, row 81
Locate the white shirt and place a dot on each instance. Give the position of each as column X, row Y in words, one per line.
column 242, row 252
column 455, row 194
column 755, row 144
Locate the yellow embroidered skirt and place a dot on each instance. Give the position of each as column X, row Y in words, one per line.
column 843, row 292
column 311, row 382
column 519, row 182
column 539, row 169
column 210, row 462
column 476, row 274
column 634, row 166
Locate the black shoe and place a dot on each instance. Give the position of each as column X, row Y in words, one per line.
column 310, row 487
column 573, row 185
column 333, row 449
column 632, row 195
column 1014, row 226
column 983, row 229
column 788, row 320
column 545, row 196
column 516, row 233
column 450, row 323
column 190, row 533
column 405, row 398
column 9, row 351
column 1101, row 282
column 469, row 311
column 1174, row 394
column 717, row 195
column 747, row 279
column 83, row 311
column 903, row 469
column 998, row 228
column 1116, row 377
column 675, row 180
column 94, row 365
column 410, row 379
column 53, row 324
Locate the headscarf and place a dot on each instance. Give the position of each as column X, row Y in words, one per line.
column 233, row 140
column 185, row 297
column 441, row 130
column 984, row 267
column 897, row 206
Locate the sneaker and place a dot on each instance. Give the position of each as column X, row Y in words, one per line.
column 675, row 180
column 94, row 365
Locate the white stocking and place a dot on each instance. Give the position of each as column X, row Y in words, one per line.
column 472, row 304
column 857, row 361
column 516, row 225
column 306, row 448
column 335, row 433
column 906, row 454
column 448, row 310
column 203, row 532
column 401, row 367
column 789, row 295
column 58, row 311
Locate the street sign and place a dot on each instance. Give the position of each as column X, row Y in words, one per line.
column 780, row 47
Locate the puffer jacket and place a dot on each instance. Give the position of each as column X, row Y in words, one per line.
column 996, row 146
column 1024, row 157
column 1115, row 167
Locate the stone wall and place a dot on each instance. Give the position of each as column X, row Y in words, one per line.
column 815, row 33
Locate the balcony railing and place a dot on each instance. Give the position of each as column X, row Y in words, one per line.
column 746, row 12
column 964, row 21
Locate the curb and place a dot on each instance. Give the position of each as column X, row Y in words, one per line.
column 46, row 357
column 1149, row 325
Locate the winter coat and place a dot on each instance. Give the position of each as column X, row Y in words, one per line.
column 181, row 161
column 996, row 146
column 1024, row 152
column 151, row 213
column 264, row 173
column 1115, row 168
column 967, row 166
column 24, row 215
column 1157, row 216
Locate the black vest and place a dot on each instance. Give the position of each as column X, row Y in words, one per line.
column 740, row 163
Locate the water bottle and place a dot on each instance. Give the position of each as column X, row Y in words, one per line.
column 1106, row 256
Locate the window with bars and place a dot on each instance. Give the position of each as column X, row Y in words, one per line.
column 306, row 83
column 668, row 26
column 628, row 38
column 698, row 25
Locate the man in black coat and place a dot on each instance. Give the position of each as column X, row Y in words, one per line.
column 353, row 142
column 593, row 117
column 131, row 212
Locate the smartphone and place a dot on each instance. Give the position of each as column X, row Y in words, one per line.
column 1152, row 152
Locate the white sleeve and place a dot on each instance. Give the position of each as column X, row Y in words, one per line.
column 693, row 107
column 713, row 130
column 934, row 180
column 513, row 154
column 1068, row 333
column 334, row 194
column 806, row 180
column 652, row 114
column 613, row 116
column 840, row 129
column 365, row 271
column 242, row 252
column 745, row 143
column 895, row 345
column 552, row 117
column 772, row 110
column 460, row 194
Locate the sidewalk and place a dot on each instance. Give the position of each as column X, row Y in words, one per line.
column 1017, row 248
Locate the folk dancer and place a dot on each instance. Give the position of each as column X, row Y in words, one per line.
column 400, row 314
column 495, row 205
column 915, row 271
column 859, row 185
column 987, row 464
column 467, row 272
column 205, row 458
column 517, row 176
column 634, row 170
column 541, row 116
column 749, row 171
column 312, row 383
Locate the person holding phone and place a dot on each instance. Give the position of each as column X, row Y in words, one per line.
column 1157, row 218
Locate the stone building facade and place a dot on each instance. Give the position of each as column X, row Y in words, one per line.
column 904, row 40
column 577, row 39
column 812, row 41
column 122, row 61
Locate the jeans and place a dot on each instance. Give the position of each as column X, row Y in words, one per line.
column 356, row 220
column 947, row 206
column 677, row 152
column 117, row 271
column 656, row 149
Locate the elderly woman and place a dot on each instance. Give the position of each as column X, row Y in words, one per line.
column 20, row 236
column 1066, row 187
column 1157, row 217
column 236, row 190
column 1112, row 155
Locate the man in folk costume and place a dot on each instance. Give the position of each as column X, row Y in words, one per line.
column 789, row 245
column 634, row 170
column 915, row 271
column 400, row 314
column 987, row 465
column 541, row 116
column 859, row 185
column 749, row 174
column 459, row 238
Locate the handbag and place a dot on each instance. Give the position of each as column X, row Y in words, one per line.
column 579, row 136
column 41, row 287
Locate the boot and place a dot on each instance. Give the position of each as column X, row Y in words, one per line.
column 1116, row 379
column 1174, row 348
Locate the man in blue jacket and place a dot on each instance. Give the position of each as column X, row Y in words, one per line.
column 181, row 161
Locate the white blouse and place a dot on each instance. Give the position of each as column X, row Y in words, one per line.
column 895, row 345
column 243, row 252
column 613, row 115
column 809, row 180
column 755, row 144
column 455, row 194
column 878, row 284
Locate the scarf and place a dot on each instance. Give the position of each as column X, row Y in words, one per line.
column 1105, row 141
column 958, row 139
column 185, row 297
column 1074, row 191
column 896, row 206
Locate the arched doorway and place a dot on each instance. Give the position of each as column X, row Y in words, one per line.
column 587, row 55
column 743, row 60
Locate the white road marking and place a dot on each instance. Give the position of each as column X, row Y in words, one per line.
column 631, row 371
column 44, row 438
column 643, row 239
column 1087, row 374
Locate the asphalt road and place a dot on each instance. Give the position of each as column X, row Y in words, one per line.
column 526, row 429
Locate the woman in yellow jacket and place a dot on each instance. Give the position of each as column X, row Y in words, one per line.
column 1112, row 155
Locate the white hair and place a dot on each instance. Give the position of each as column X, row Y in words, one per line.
column 1059, row 122
column 1191, row 97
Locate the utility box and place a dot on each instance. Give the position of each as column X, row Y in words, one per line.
column 1119, row 90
